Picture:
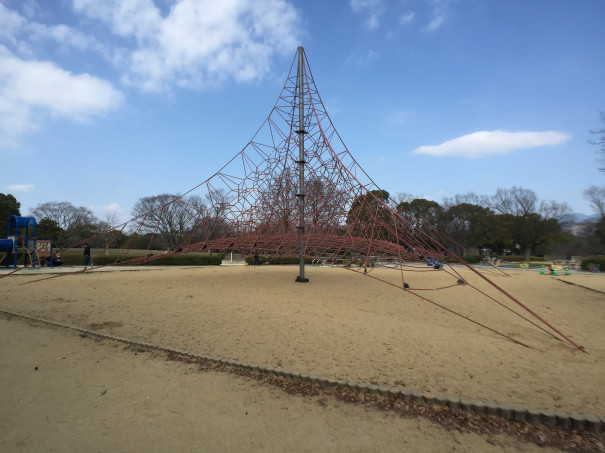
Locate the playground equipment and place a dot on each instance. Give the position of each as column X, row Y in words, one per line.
column 32, row 248
column 434, row 263
column 295, row 189
column 495, row 262
column 554, row 269
column 11, row 244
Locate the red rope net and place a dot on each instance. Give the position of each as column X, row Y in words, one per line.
column 253, row 206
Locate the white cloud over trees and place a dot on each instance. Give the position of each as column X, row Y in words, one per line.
column 487, row 143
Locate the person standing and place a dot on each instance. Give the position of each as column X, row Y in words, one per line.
column 86, row 255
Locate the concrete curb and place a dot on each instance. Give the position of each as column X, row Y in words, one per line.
column 576, row 422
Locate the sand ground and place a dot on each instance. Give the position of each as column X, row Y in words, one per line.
column 339, row 325
column 96, row 396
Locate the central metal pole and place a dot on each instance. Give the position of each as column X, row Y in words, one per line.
column 301, row 167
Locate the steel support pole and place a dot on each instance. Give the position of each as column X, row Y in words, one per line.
column 301, row 166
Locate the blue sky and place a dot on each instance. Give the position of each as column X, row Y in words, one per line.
column 106, row 101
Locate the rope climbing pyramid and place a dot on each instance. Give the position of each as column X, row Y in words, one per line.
column 295, row 189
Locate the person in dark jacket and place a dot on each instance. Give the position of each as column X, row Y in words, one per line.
column 86, row 255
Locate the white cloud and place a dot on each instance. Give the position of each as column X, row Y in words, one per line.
column 20, row 187
column 360, row 5
column 25, row 34
column 487, row 143
column 111, row 207
column 12, row 23
column 436, row 22
column 199, row 43
column 111, row 213
column 30, row 7
column 361, row 58
column 406, row 18
column 372, row 22
column 439, row 15
column 64, row 35
column 371, row 9
column 135, row 18
column 105, row 210
column 32, row 89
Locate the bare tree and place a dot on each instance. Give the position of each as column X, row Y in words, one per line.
column 65, row 214
column 515, row 201
column 168, row 215
column 561, row 212
column 197, row 205
column 600, row 142
column 596, row 196
column 216, row 210
column 277, row 205
column 74, row 222
column 217, row 202
column 323, row 212
column 467, row 198
column 401, row 197
column 110, row 220
column 535, row 224
column 108, row 235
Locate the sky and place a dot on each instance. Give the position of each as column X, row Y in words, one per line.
column 103, row 102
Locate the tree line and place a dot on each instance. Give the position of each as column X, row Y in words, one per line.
column 511, row 221
column 160, row 221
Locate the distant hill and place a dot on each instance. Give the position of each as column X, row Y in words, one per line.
column 579, row 217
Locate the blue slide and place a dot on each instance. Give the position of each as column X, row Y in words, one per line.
column 6, row 245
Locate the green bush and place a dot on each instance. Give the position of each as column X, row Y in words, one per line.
column 278, row 259
column 186, row 260
column 102, row 260
column 592, row 261
column 73, row 259
column 77, row 259
column 472, row 259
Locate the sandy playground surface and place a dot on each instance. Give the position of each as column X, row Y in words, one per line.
column 339, row 325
